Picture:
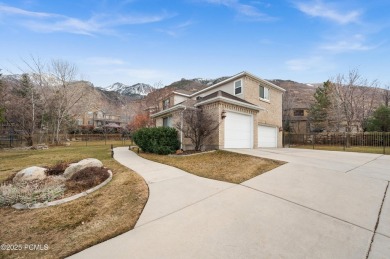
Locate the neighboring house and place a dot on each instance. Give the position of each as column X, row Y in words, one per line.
column 296, row 119
column 98, row 118
column 247, row 108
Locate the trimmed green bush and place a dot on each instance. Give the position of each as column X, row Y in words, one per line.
column 160, row 140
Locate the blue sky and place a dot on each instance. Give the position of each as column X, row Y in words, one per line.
column 154, row 41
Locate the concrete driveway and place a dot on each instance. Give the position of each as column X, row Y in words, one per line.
column 320, row 204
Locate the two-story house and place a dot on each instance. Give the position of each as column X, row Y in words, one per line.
column 98, row 118
column 297, row 118
column 247, row 108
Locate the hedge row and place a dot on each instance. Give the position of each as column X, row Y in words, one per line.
column 160, row 140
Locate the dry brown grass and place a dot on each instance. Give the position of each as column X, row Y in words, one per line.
column 219, row 165
column 74, row 226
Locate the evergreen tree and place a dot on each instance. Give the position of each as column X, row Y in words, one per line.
column 319, row 110
column 380, row 120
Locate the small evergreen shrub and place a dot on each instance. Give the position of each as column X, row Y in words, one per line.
column 159, row 140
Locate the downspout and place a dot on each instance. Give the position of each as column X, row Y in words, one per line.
column 181, row 128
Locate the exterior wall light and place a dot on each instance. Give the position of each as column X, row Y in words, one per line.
column 223, row 115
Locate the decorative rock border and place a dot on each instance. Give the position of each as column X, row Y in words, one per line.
column 20, row 206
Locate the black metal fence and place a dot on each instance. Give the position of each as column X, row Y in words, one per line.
column 19, row 140
column 373, row 142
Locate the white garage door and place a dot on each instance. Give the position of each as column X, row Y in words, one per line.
column 238, row 130
column 267, row 136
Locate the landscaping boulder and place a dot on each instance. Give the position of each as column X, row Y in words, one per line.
column 75, row 167
column 30, row 174
column 40, row 147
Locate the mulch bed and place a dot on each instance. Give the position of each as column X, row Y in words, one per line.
column 191, row 152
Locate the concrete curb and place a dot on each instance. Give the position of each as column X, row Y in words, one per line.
column 20, row 206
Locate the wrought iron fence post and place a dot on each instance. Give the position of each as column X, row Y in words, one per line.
column 383, row 143
column 344, row 140
column 313, row 137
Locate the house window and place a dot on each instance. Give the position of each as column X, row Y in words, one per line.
column 165, row 104
column 264, row 92
column 298, row 112
column 167, row 122
column 237, row 87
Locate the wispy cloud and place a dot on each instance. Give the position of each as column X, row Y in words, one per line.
column 328, row 11
column 353, row 43
column 97, row 24
column 248, row 12
column 9, row 10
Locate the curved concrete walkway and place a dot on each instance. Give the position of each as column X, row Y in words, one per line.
column 319, row 205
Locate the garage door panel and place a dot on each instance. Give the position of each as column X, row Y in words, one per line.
column 238, row 130
column 267, row 136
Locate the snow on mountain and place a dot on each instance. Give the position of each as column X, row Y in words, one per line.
column 130, row 90
column 209, row 82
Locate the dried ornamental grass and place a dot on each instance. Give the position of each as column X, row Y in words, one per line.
column 29, row 193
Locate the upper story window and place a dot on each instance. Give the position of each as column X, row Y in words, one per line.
column 299, row 112
column 238, row 87
column 264, row 93
column 166, row 104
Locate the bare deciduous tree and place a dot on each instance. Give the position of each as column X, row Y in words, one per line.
column 386, row 95
column 23, row 107
column 287, row 104
column 2, row 97
column 197, row 125
column 354, row 97
column 64, row 93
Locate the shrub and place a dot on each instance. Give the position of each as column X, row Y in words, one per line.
column 160, row 140
column 86, row 179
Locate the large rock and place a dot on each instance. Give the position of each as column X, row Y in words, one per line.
column 30, row 174
column 75, row 167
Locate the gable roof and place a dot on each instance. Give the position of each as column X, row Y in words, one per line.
column 228, row 98
column 182, row 105
column 214, row 97
column 223, row 94
column 239, row 75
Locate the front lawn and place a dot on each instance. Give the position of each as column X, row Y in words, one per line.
column 73, row 226
column 219, row 165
